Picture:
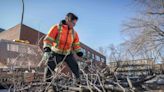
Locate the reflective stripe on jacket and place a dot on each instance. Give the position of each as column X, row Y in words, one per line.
column 61, row 40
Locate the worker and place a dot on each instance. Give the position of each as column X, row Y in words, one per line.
column 61, row 42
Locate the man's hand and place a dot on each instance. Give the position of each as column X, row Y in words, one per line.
column 80, row 54
column 46, row 56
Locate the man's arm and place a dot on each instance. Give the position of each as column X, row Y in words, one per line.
column 76, row 45
column 48, row 41
column 50, row 37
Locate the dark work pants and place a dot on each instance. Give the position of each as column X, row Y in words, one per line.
column 57, row 58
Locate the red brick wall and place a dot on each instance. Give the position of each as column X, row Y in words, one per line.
column 33, row 36
column 19, row 54
column 10, row 34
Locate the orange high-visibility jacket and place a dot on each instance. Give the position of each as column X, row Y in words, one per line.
column 61, row 40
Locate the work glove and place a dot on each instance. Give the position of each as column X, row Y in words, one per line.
column 46, row 55
column 80, row 54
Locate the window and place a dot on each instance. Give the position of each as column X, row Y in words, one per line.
column 12, row 47
column 93, row 56
column 89, row 55
column 22, row 49
column 97, row 58
column 84, row 51
column 102, row 59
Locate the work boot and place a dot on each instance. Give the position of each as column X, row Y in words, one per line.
column 50, row 89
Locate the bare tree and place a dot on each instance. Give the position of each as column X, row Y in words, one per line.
column 146, row 32
column 153, row 7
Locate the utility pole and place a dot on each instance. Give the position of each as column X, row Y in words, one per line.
column 22, row 14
